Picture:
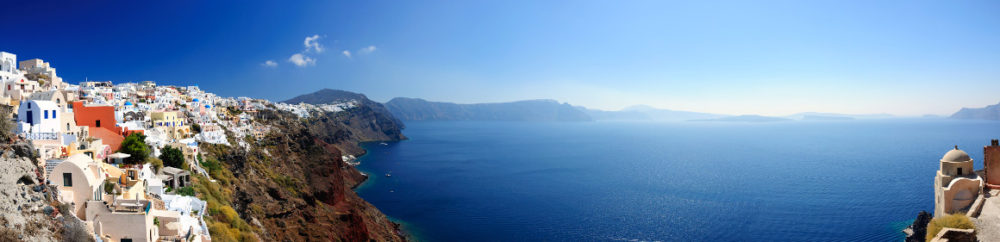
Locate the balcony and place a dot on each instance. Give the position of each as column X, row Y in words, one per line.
column 42, row 135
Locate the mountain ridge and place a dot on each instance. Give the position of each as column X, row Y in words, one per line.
column 417, row 109
column 990, row 112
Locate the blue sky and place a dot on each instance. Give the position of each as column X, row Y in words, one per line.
column 734, row 57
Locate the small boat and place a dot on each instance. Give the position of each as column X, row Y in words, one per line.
column 388, row 174
column 383, row 143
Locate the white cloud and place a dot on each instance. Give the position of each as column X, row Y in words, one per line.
column 347, row 53
column 301, row 60
column 367, row 50
column 269, row 63
column 312, row 44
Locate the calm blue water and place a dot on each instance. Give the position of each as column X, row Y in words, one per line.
column 505, row 181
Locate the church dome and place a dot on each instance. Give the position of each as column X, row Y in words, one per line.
column 956, row 155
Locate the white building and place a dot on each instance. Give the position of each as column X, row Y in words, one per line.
column 35, row 116
column 37, row 66
column 78, row 180
column 8, row 67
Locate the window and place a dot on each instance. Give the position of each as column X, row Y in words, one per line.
column 97, row 123
column 46, row 114
column 29, row 105
column 126, row 240
column 959, row 171
column 67, row 179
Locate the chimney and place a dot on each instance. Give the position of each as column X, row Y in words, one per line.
column 995, row 142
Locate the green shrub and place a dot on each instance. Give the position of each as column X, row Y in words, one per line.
column 173, row 157
column 135, row 145
column 109, row 188
column 222, row 232
column 186, row 191
column 958, row 221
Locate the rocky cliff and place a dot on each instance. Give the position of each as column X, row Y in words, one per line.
column 28, row 209
column 292, row 185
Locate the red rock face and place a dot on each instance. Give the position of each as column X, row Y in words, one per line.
column 357, row 230
column 329, row 180
column 300, row 189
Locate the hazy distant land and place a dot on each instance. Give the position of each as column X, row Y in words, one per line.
column 991, row 112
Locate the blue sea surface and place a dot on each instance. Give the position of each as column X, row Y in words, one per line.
column 689, row 181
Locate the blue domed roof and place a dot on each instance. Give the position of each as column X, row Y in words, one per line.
column 208, row 106
column 195, row 100
column 127, row 103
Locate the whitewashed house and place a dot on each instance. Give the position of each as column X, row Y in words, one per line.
column 36, row 116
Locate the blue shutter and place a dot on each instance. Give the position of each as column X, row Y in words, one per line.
column 46, row 114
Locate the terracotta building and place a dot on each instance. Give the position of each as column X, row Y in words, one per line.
column 991, row 160
column 101, row 122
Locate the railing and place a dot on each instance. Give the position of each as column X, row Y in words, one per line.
column 42, row 135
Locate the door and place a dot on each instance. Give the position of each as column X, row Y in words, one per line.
column 31, row 119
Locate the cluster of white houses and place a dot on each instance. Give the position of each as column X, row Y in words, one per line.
column 78, row 129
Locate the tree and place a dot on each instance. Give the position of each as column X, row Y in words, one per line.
column 135, row 145
column 173, row 157
column 196, row 128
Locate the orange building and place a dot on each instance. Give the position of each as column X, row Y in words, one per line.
column 101, row 123
column 93, row 116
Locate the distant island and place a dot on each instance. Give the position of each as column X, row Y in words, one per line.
column 814, row 116
column 745, row 118
column 825, row 118
column 416, row 109
column 991, row 112
column 529, row 110
column 643, row 112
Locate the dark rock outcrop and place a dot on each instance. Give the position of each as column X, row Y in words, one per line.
column 917, row 231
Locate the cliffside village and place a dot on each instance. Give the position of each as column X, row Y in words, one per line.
column 77, row 131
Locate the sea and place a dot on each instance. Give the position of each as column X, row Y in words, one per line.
column 854, row 180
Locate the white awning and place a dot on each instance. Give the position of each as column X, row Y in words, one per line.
column 119, row 156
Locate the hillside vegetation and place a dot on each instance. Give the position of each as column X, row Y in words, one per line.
column 292, row 184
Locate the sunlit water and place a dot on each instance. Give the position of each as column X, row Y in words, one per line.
column 701, row 181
